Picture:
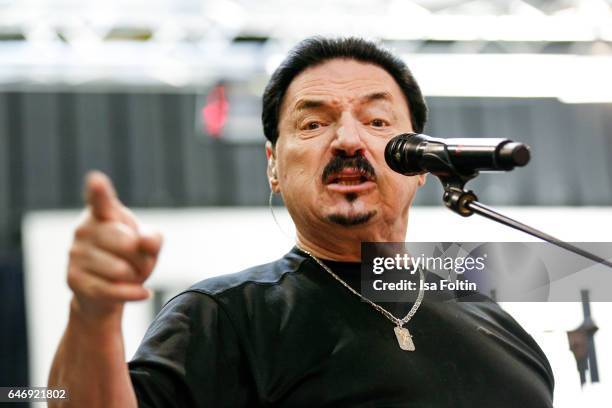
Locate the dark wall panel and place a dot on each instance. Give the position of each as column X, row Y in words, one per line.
column 93, row 134
column 68, row 136
column 592, row 156
column 152, row 146
column 549, row 163
column 147, row 159
column 5, row 203
column 173, row 131
column 207, row 167
column 252, row 184
column 41, row 154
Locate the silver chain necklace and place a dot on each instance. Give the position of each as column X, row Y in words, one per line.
column 404, row 338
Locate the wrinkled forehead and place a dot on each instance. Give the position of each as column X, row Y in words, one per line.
column 340, row 81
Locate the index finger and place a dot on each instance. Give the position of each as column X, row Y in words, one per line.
column 100, row 195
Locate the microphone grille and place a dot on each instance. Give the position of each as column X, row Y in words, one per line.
column 397, row 155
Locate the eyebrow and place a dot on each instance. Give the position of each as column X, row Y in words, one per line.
column 306, row 104
column 377, row 96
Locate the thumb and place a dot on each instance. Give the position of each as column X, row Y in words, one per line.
column 101, row 197
column 150, row 242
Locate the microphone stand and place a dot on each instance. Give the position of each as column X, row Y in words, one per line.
column 465, row 203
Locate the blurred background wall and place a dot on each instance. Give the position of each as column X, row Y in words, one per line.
column 164, row 96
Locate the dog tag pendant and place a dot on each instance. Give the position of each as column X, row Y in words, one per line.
column 404, row 338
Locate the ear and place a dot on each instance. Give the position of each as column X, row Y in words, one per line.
column 271, row 171
column 422, row 178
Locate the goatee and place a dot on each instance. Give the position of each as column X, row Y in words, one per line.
column 350, row 221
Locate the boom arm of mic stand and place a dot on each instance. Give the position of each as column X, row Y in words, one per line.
column 465, row 203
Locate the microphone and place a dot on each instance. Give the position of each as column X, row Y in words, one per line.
column 413, row 153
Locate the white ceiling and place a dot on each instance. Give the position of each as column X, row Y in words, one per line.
column 179, row 42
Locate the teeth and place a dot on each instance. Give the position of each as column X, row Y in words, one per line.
column 349, row 183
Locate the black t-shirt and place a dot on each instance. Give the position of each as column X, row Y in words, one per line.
column 288, row 334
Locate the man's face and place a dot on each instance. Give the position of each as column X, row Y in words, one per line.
column 335, row 121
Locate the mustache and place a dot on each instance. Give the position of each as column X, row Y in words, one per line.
column 341, row 162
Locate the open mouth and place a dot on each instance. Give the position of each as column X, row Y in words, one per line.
column 350, row 177
column 348, row 181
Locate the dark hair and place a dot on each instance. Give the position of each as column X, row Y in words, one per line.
column 316, row 50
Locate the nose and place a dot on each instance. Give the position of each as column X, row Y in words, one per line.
column 348, row 139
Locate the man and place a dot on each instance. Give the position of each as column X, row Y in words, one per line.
column 296, row 332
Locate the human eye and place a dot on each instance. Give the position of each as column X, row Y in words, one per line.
column 379, row 123
column 312, row 125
